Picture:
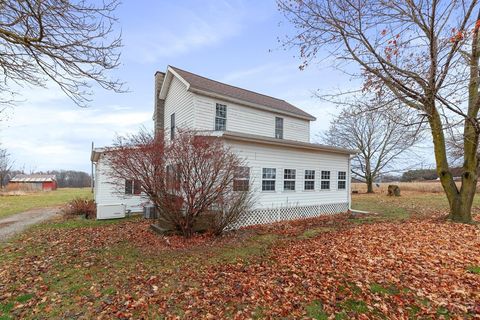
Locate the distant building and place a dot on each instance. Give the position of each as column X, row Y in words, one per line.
column 34, row 182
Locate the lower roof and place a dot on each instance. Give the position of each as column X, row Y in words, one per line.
column 238, row 136
column 246, row 137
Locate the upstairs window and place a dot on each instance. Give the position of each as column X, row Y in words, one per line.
column 278, row 128
column 309, row 180
column 241, row 181
column 268, row 179
column 133, row 187
column 289, row 179
column 342, row 180
column 172, row 126
column 220, row 117
column 325, row 182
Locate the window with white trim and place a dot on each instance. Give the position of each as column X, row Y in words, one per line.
column 241, row 180
column 220, row 117
column 133, row 187
column 309, row 183
column 172, row 126
column 278, row 128
column 342, row 180
column 289, row 179
column 173, row 177
column 325, row 180
column 268, row 179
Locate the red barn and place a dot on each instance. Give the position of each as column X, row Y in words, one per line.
column 34, row 182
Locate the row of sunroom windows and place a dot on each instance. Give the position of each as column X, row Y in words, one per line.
column 269, row 177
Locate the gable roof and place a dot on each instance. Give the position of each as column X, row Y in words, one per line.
column 205, row 85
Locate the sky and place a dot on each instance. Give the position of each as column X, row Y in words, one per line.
column 230, row 41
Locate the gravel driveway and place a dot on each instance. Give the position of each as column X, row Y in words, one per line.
column 16, row 223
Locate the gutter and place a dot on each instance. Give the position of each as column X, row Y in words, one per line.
column 285, row 143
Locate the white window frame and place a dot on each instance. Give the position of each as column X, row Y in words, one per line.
column 325, row 176
column 289, row 175
column 279, row 130
column 172, row 126
column 135, row 188
column 269, row 174
column 220, row 118
column 309, row 179
column 242, row 174
column 344, row 180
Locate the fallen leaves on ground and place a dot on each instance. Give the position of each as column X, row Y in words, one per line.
column 313, row 268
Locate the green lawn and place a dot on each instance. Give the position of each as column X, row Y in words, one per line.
column 14, row 204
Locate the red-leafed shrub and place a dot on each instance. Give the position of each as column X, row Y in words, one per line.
column 79, row 207
column 195, row 181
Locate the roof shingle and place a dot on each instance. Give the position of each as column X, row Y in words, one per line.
column 205, row 84
column 34, row 178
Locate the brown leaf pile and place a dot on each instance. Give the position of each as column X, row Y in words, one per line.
column 418, row 268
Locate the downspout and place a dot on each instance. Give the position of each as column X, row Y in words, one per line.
column 350, row 190
column 91, row 173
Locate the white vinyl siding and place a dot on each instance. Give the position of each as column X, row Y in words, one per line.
column 248, row 120
column 178, row 101
column 108, row 191
column 259, row 157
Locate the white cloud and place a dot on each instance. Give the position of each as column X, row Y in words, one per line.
column 50, row 133
column 184, row 30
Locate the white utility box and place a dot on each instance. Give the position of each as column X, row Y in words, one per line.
column 110, row 211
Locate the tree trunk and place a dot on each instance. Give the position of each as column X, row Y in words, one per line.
column 369, row 185
column 461, row 207
column 460, row 201
column 461, row 210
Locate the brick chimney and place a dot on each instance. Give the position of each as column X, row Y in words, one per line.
column 159, row 104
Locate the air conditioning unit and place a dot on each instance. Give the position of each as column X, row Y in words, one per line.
column 110, row 211
column 149, row 212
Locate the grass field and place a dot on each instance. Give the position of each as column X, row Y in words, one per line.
column 425, row 186
column 411, row 204
column 400, row 262
column 13, row 204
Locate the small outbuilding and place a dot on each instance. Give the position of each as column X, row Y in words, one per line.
column 34, row 182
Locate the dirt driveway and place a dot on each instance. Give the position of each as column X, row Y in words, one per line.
column 16, row 223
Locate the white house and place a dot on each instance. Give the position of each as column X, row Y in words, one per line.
column 290, row 176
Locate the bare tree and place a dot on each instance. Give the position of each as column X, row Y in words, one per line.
column 6, row 164
column 191, row 178
column 425, row 53
column 71, row 43
column 382, row 140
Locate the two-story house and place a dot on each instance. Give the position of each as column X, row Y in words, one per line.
column 290, row 176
